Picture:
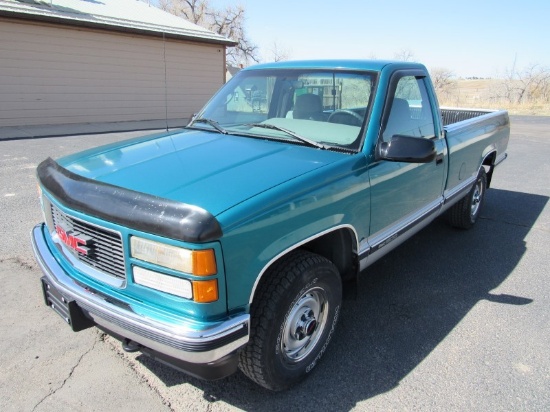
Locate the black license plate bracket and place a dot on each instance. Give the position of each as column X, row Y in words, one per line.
column 68, row 309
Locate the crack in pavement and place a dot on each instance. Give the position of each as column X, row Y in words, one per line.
column 116, row 348
column 96, row 341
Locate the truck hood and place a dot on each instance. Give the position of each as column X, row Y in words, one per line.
column 201, row 168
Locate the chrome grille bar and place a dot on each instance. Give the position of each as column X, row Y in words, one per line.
column 107, row 253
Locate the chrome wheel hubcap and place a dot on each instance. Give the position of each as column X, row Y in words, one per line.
column 476, row 199
column 304, row 325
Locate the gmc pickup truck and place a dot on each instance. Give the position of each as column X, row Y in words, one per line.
column 227, row 244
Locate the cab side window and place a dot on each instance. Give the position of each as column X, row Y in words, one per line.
column 410, row 112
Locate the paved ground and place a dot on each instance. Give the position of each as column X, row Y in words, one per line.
column 80, row 129
column 451, row 320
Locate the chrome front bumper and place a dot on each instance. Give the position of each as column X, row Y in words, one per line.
column 179, row 340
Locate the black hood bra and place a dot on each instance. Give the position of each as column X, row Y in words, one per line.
column 128, row 208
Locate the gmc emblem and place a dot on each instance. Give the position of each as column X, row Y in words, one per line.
column 78, row 242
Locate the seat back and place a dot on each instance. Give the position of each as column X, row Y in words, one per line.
column 399, row 120
column 308, row 106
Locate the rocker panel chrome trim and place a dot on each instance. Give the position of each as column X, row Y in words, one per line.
column 501, row 159
column 386, row 240
column 459, row 190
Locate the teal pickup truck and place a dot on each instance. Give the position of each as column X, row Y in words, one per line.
column 227, row 244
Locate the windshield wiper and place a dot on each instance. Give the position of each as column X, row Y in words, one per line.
column 212, row 123
column 290, row 133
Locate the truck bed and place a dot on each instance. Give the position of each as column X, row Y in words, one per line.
column 452, row 115
column 466, row 151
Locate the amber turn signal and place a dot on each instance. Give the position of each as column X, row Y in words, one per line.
column 205, row 291
column 204, row 262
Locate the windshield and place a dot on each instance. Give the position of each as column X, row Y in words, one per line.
column 325, row 109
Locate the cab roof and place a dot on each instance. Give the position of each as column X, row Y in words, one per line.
column 370, row 65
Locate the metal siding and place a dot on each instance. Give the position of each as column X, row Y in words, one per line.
column 54, row 75
column 191, row 83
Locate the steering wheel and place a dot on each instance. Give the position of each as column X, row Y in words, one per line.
column 346, row 117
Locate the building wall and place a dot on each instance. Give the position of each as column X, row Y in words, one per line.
column 52, row 74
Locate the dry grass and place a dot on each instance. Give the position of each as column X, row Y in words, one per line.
column 480, row 93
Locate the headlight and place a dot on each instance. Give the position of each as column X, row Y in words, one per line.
column 164, row 283
column 195, row 262
column 201, row 291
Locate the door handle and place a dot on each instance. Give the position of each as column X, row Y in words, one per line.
column 439, row 159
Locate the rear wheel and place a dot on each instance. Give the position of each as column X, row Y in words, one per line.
column 294, row 314
column 464, row 214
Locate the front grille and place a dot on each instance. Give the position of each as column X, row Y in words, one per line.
column 106, row 250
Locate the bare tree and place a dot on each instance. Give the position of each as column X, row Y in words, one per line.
column 533, row 83
column 443, row 81
column 192, row 10
column 278, row 53
column 405, row 55
column 229, row 22
column 527, row 85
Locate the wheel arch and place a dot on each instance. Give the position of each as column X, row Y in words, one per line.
column 489, row 161
column 338, row 244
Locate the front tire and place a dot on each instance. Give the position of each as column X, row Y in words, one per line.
column 294, row 314
column 464, row 214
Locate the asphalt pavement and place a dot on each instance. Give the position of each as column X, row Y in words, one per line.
column 81, row 129
column 450, row 321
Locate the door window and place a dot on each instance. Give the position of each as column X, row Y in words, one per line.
column 410, row 113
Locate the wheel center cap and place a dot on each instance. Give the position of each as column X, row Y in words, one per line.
column 310, row 327
column 306, row 325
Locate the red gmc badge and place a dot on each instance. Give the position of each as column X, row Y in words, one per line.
column 77, row 242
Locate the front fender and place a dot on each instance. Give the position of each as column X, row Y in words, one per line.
column 289, row 216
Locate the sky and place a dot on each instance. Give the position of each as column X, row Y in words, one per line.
column 482, row 38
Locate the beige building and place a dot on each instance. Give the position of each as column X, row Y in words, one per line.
column 76, row 61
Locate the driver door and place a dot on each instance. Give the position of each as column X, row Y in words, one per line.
column 406, row 196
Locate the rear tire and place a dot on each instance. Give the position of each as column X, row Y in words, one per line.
column 294, row 314
column 464, row 214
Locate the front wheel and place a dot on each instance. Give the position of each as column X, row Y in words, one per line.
column 464, row 214
column 294, row 314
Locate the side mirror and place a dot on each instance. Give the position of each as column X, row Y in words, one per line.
column 406, row 149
